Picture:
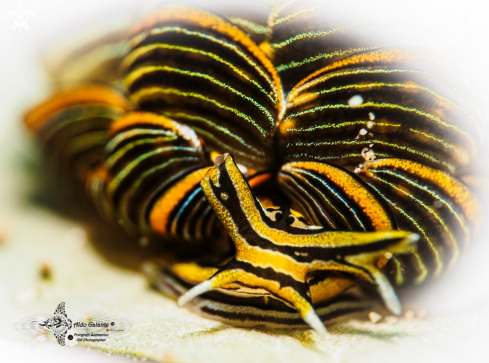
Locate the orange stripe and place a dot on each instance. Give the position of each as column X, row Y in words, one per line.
column 35, row 118
column 99, row 173
column 455, row 189
column 210, row 21
column 159, row 217
column 382, row 56
column 259, row 179
column 137, row 118
column 356, row 191
column 148, row 118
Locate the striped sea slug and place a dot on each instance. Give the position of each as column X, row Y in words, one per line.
column 306, row 169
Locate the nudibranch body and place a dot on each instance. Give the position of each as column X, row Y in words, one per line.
column 298, row 169
column 276, row 254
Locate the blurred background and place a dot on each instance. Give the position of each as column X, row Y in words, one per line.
column 33, row 235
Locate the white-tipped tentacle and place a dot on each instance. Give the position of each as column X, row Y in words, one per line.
column 195, row 291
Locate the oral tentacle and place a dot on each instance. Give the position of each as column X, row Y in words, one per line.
column 197, row 290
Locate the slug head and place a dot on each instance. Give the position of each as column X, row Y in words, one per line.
column 276, row 250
